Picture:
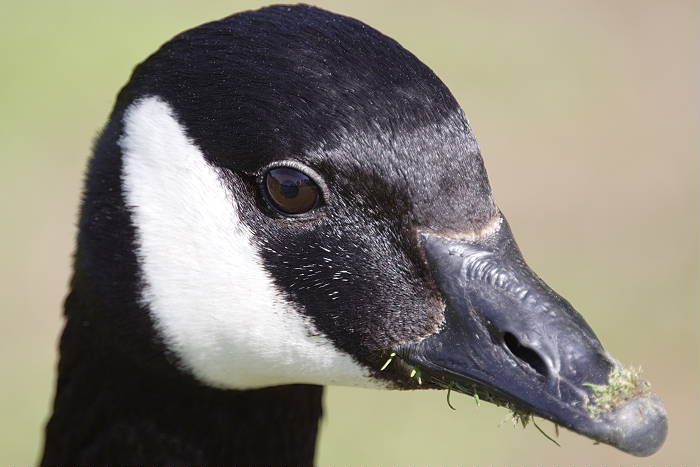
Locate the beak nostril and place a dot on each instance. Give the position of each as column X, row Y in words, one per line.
column 525, row 354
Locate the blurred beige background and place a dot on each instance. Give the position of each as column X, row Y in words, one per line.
column 587, row 115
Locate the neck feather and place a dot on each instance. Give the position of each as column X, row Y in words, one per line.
column 110, row 409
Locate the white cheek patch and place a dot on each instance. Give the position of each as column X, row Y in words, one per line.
column 204, row 283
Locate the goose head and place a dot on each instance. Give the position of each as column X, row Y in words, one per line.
column 296, row 198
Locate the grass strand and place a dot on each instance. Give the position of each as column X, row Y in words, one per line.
column 545, row 434
column 449, row 391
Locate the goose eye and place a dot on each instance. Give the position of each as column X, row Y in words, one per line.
column 291, row 191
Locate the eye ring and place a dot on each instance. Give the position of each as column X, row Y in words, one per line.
column 292, row 190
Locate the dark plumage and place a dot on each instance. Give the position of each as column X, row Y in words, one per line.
column 255, row 87
column 298, row 85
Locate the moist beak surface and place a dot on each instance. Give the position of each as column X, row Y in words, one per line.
column 512, row 340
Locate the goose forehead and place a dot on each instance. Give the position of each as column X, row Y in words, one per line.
column 433, row 174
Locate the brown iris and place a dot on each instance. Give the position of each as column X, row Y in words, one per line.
column 291, row 191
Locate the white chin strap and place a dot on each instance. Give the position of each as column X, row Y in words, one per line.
column 203, row 281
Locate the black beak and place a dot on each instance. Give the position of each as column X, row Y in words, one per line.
column 512, row 340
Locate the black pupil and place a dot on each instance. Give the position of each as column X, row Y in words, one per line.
column 291, row 191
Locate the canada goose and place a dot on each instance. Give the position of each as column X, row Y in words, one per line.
column 285, row 199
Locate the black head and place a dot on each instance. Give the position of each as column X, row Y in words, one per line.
column 229, row 121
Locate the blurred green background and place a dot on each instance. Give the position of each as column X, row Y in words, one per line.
column 587, row 115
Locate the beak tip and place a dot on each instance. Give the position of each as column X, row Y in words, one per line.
column 639, row 427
